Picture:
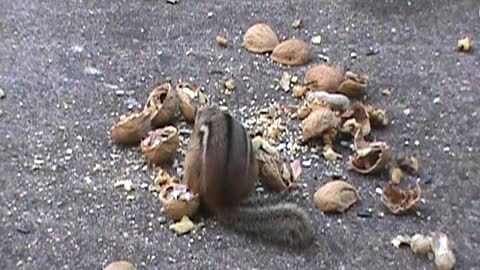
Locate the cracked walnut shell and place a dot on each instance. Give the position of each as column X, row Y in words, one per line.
column 399, row 201
column 131, row 129
column 161, row 145
column 191, row 98
column 178, row 201
column 162, row 104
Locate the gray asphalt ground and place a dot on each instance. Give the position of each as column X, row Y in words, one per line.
column 66, row 214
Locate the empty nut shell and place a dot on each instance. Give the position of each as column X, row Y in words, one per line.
column 178, row 201
column 162, row 104
column 358, row 113
column 323, row 78
column 131, row 129
column 260, row 38
column 371, row 159
column 191, row 98
column 291, row 52
column 353, row 84
column 161, row 145
column 335, row 196
column 274, row 173
column 399, row 201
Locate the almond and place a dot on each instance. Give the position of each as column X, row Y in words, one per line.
column 291, row 52
column 260, row 38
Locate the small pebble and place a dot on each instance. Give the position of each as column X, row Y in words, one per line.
column 173, row 2
column 353, row 55
column 437, row 100
column 317, row 40
column 297, row 24
column 92, row 71
column 120, row 93
column 416, row 142
column 210, row 14
column 379, row 190
column 2, row 93
column 364, row 213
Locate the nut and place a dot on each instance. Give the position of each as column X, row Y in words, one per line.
column 131, row 129
column 162, row 104
column 161, row 145
column 323, row 78
column 178, row 201
column 319, row 121
column 291, row 52
column 260, row 38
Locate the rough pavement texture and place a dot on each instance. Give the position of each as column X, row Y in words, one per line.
column 67, row 215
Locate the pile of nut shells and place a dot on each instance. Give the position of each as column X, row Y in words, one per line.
column 154, row 129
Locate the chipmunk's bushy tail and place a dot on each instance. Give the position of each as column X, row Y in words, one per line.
column 281, row 223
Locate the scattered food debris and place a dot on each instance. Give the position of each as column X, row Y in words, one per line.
column 126, row 184
column 230, row 84
column 222, row 41
column 465, row 44
column 297, row 24
column 316, row 40
column 184, row 226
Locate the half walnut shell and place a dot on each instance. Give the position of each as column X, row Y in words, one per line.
column 191, row 98
column 335, row 196
column 274, row 172
column 370, row 159
column 399, row 201
column 353, row 84
column 131, row 129
column 260, row 38
column 291, row 52
column 162, row 104
column 356, row 117
column 161, row 145
column 179, row 201
column 323, row 78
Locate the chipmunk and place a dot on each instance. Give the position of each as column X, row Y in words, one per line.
column 221, row 167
